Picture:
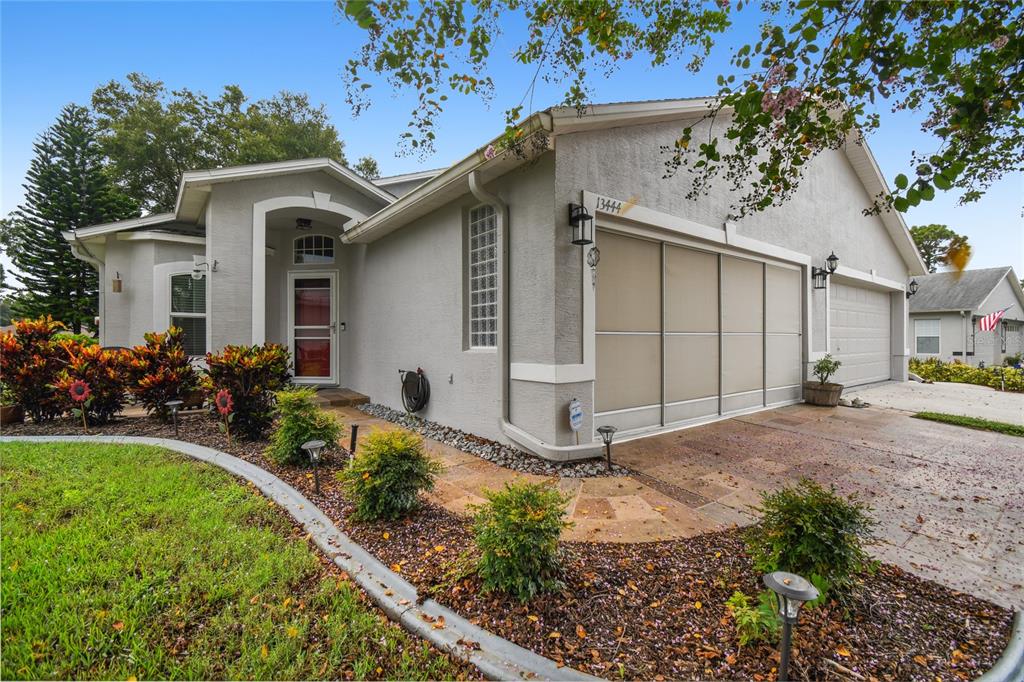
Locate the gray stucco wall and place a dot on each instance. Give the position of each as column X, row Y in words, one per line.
column 130, row 314
column 407, row 309
column 229, row 242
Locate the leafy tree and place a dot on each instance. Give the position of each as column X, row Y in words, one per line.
column 814, row 80
column 152, row 135
column 934, row 242
column 367, row 167
column 66, row 188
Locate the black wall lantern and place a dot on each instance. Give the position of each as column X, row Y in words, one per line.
column 582, row 225
column 912, row 288
column 820, row 275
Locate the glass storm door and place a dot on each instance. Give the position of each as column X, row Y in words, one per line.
column 312, row 326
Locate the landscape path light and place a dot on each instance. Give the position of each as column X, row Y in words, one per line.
column 174, row 406
column 313, row 448
column 791, row 592
column 607, row 433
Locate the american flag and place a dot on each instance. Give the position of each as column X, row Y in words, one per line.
column 989, row 322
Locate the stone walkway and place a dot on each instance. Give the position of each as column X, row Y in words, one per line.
column 949, row 501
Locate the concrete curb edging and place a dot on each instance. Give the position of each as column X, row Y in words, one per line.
column 495, row 657
column 1010, row 666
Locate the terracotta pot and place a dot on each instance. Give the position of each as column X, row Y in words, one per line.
column 826, row 395
column 11, row 414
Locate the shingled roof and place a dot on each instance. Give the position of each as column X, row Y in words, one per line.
column 947, row 291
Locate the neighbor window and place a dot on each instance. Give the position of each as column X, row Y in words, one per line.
column 483, row 278
column 188, row 311
column 927, row 335
column 314, row 248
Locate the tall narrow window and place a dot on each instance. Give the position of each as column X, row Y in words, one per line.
column 314, row 248
column 188, row 311
column 483, row 278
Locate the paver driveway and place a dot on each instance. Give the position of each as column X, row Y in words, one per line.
column 949, row 500
column 974, row 401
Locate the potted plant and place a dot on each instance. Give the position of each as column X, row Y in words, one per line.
column 821, row 392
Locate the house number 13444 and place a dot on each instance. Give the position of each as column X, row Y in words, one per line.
column 608, row 205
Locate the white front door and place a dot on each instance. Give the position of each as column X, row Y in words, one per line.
column 313, row 326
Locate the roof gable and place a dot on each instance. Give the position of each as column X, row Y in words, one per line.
column 956, row 291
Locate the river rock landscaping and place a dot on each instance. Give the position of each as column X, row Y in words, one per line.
column 492, row 451
column 646, row 610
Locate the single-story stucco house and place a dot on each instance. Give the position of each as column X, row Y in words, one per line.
column 471, row 273
column 948, row 306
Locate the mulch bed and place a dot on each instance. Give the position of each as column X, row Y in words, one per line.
column 651, row 610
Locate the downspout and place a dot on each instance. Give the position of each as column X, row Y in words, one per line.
column 557, row 453
column 80, row 251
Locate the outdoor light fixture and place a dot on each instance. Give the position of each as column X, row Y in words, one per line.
column 353, row 441
column 819, row 275
column 313, row 448
column 199, row 265
column 174, row 406
column 303, row 224
column 607, row 433
column 582, row 225
column 791, row 591
column 912, row 288
column 116, row 283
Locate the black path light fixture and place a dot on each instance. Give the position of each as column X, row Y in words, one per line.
column 313, row 448
column 819, row 275
column 607, row 433
column 791, row 592
column 912, row 288
column 174, row 406
column 582, row 225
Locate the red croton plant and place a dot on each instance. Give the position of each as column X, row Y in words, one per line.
column 160, row 371
column 29, row 364
column 102, row 370
column 250, row 375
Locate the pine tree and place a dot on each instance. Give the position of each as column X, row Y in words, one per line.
column 66, row 188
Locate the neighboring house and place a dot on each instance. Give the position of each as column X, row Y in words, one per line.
column 470, row 274
column 945, row 312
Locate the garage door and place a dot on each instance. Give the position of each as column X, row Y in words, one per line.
column 685, row 334
column 860, row 324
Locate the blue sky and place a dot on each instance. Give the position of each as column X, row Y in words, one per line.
column 52, row 53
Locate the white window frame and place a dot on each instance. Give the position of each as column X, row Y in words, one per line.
column 203, row 315
column 295, row 250
column 487, row 339
column 937, row 335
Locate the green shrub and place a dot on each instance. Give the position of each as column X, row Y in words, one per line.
column 300, row 420
column 387, row 475
column 517, row 534
column 1000, row 377
column 80, row 339
column 251, row 375
column 30, row 360
column 812, row 532
column 759, row 623
column 825, row 368
column 160, row 371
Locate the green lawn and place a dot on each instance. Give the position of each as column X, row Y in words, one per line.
column 973, row 423
column 123, row 561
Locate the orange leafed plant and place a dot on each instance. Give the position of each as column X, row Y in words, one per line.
column 104, row 372
column 160, row 371
column 30, row 360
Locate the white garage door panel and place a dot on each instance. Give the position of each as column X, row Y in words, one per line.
column 860, row 323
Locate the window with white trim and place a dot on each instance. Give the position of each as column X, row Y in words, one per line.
column 926, row 334
column 313, row 248
column 188, row 311
column 483, row 277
